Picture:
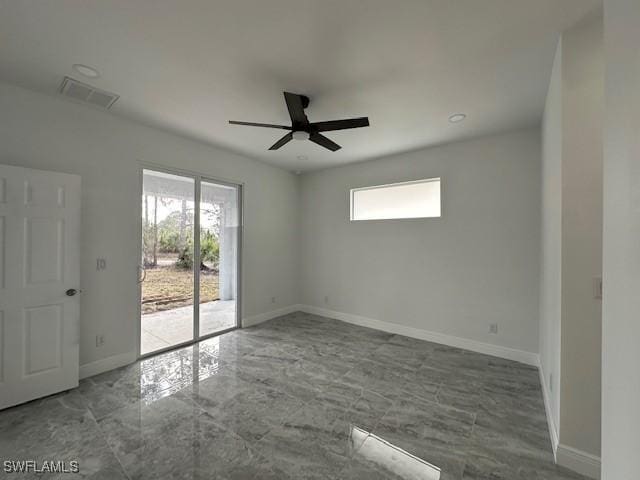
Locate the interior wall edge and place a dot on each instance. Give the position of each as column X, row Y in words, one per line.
column 553, row 428
column 578, row 461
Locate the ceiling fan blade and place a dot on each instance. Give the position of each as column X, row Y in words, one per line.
column 324, row 142
column 252, row 124
column 286, row 139
column 341, row 124
column 296, row 109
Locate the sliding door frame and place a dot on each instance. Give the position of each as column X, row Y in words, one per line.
column 198, row 179
column 239, row 243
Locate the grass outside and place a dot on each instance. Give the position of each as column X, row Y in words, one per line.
column 168, row 287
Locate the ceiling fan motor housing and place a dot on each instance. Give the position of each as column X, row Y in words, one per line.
column 302, row 129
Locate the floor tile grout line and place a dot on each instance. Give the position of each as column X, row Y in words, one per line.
column 108, row 444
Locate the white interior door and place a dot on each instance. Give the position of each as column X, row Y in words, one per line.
column 39, row 283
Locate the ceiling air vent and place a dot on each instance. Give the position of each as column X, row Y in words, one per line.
column 86, row 93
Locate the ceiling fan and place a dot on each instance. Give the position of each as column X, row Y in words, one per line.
column 302, row 129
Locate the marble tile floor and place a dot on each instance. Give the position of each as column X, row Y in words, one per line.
column 298, row 397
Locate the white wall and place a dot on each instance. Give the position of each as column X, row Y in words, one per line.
column 621, row 308
column 455, row 275
column 551, row 250
column 570, row 315
column 582, row 121
column 39, row 131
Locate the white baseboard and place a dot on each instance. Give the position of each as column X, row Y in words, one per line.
column 522, row 356
column 106, row 364
column 553, row 429
column 565, row 456
column 263, row 317
column 578, row 461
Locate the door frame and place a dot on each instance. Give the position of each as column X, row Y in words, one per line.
column 198, row 179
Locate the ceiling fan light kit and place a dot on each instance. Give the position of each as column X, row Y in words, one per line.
column 302, row 129
column 300, row 135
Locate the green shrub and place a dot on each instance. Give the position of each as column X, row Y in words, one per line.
column 209, row 251
column 209, row 248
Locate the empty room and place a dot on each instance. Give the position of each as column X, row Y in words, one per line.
column 320, row 239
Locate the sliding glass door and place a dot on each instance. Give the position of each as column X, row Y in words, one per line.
column 191, row 230
column 219, row 234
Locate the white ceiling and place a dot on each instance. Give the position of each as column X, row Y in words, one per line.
column 191, row 65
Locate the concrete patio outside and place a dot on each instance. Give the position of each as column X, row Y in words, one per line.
column 171, row 327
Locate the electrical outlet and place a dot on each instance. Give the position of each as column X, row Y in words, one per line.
column 493, row 328
column 99, row 340
column 273, row 299
column 101, row 264
column 326, row 299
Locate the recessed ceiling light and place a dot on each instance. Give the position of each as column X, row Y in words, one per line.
column 86, row 71
column 302, row 157
column 457, row 117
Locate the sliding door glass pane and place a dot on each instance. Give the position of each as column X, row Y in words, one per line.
column 167, row 250
column 219, row 224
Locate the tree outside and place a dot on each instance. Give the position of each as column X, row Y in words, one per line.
column 168, row 247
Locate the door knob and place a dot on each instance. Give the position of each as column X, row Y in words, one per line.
column 71, row 292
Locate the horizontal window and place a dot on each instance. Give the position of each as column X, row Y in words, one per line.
column 417, row 199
